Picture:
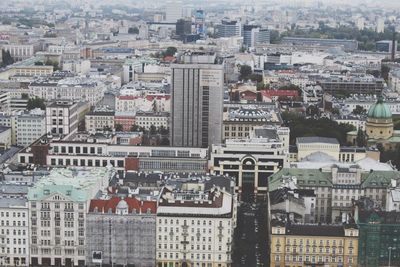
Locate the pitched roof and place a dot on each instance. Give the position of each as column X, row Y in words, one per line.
column 105, row 205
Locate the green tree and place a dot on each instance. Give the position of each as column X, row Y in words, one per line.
column 119, row 127
column 135, row 128
column 360, row 139
column 245, row 72
column 385, row 71
column 153, row 129
column 359, row 110
column 133, row 30
column 170, row 52
column 24, row 96
column 36, row 103
column 6, row 58
column 38, row 63
column 52, row 63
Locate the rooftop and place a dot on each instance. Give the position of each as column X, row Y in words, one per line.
column 317, row 139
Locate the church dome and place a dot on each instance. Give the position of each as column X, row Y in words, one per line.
column 380, row 110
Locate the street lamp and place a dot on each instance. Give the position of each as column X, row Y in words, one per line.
column 390, row 253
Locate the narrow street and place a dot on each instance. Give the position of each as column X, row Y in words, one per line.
column 251, row 244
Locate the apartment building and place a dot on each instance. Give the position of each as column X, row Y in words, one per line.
column 196, row 219
column 337, row 185
column 313, row 245
column 14, row 222
column 122, row 231
column 99, row 120
column 148, row 119
column 19, row 52
column 62, row 117
column 70, row 88
column 58, row 205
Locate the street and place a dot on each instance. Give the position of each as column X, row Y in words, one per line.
column 251, row 244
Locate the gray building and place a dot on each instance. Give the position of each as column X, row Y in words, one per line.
column 229, row 28
column 253, row 35
column 197, row 98
column 348, row 45
column 121, row 232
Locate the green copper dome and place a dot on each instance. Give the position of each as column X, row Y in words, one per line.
column 380, row 110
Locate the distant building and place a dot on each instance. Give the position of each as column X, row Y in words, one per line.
column 20, row 52
column 173, row 11
column 313, row 245
column 148, row 119
column 348, row 45
column 100, row 120
column 62, row 117
column 352, row 85
column 200, row 22
column 183, row 27
column 5, row 138
column 254, row 35
column 197, row 97
column 385, row 46
column 122, row 231
column 229, row 29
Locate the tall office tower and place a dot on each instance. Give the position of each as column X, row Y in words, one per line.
column 229, row 28
column 197, row 98
column 253, row 35
column 173, row 11
column 248, row 34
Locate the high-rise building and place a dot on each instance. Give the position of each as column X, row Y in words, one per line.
column 183, row 27
column 200, row 22
column 173, row 11
column 197, row 97
column 380, row 25
column 248, row 33
column 229, row 29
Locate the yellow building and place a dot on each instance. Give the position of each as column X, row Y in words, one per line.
column 295, row 245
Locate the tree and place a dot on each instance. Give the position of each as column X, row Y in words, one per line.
column 170, row 52
column 134, row 128
column 38, row 63
column 24, row 96
column 52, row 63
column 312, row 110
column 245, row 72
column 134, row 30
column 153, row 130
column 360, row 139
column 6, row 57
column 163, row 131
column 36, row 103
column 359, row 110
column 119, row 127
column 164, row 141
column 385, row 72
column 154, row 106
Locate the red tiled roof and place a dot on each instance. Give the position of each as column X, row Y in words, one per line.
column 158, row 97
column 141, row 206
column 270, row 93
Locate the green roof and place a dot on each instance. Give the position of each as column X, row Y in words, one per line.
column 75, row 184
column 305, row 177
column 315, row 177
column 379, row 110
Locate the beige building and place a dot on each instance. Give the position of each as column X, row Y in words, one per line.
column 99, row 120
column 5, row 137
column 313, row 245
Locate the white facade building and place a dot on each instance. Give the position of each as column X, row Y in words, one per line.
column 14, row 226
column 196, row 228
column 58, row 204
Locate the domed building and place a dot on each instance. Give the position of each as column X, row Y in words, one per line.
column 379, row 123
